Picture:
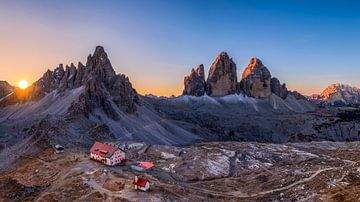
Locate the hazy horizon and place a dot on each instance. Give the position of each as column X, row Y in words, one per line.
column 306, row 44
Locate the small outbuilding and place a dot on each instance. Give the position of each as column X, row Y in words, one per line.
column 59, row 149
column 141, row 183
column 142, row 166
column 146, row 165
column 107, row 154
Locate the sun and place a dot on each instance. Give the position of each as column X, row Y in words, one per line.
column 23, row 84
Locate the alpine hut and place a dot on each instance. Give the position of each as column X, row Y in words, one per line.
column 107, row 154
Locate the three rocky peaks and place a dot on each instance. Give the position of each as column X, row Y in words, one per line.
column 222, row 80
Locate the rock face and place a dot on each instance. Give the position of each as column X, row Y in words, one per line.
column 5, row 89
column 222, row 78
column 256, row 80
column 277, row 88
column 102, row 85
column 195, row 83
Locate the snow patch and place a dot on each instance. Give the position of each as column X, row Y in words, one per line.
column 218, row 165
column 166, row 155
column 170, row 168
column 304, row 153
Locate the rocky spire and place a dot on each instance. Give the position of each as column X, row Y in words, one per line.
column 277, row 88
column 100, row 64
column 67, row 81
column 195, row 82
column 222, row 78
column 103, row 85
column 81, row 75
column 255, row 80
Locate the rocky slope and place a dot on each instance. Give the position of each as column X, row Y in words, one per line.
column 5, row 89
column 337, row 95
column 235, row 117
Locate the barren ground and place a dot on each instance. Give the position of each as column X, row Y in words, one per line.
column 223, row 171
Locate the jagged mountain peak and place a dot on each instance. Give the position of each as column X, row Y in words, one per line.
column 255, row 61
column 255, row 80
column 98, row 78
column 222, row 77
column 195, row 82
column 100, row 63
column 222, row 56
column 337, row 94
column 339, row 87
column 256, row 66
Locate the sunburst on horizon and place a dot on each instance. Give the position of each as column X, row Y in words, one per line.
column 23, row 84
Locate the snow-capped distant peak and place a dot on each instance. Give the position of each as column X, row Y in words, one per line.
column 338, row 94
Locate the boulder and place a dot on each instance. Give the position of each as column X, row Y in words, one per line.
column 255, row 80
column 222, row 78
column 194, row 84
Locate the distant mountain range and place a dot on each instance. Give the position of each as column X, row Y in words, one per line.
column 337, row 95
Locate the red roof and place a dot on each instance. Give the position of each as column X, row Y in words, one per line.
column 146, row 165
column 141, row 182
column 103, row 150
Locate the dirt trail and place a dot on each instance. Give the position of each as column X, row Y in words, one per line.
column 239, row 194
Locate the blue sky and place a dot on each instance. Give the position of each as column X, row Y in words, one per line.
column 306, row 44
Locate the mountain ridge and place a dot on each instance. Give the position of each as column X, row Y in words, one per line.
column 99, row 78
column 337, row 94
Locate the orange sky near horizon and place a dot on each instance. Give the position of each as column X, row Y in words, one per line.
column 33, row 63
column 22, row 61
column 28, row 69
